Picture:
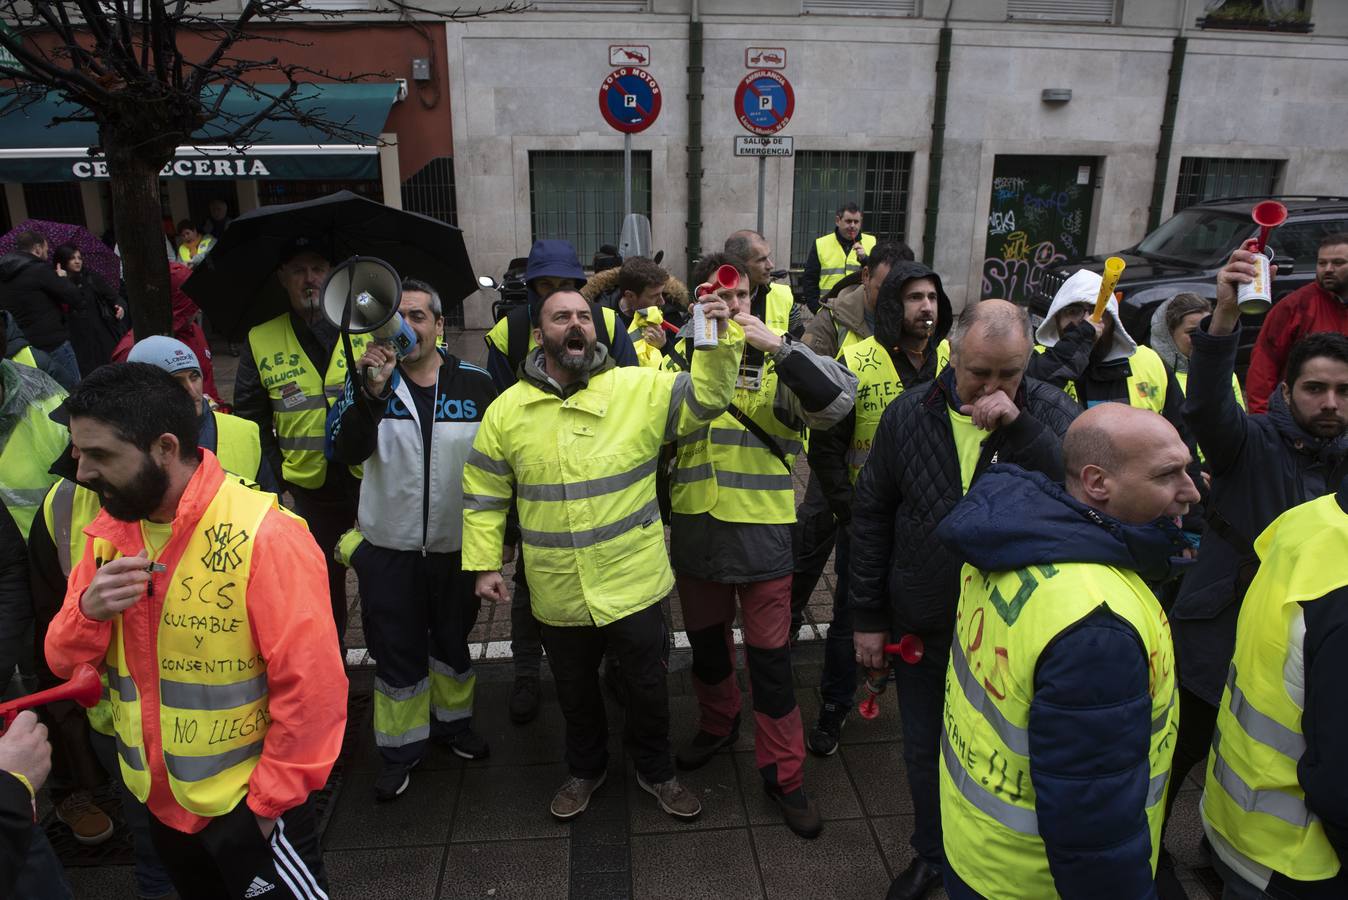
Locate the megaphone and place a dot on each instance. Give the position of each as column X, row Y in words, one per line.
column 84, row 687
column 372, row 289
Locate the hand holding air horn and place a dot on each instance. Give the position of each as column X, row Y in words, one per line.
column 1256, row 297
column 1108, row 279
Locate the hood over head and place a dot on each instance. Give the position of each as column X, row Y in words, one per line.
column 1161, row 340
column 1084, row 287
column 1012, row 518
column 889, row 303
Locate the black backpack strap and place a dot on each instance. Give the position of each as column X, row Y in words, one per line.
column 517, row 336
column 757, row 431
column 1247, row 561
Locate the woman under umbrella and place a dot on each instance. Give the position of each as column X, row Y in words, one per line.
column 95, row 330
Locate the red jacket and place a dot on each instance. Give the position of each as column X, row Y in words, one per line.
column 291, row 618
column 1305, row 311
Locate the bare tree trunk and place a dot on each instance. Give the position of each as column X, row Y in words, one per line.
column 136, row 214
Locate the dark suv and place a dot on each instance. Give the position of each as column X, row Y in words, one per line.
column 1186, row 251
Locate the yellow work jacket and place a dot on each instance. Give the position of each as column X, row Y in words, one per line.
column 32, row 445
column 833, row 265
column 878, row 385
column 1005, row 621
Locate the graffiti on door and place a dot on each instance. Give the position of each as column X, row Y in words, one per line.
column 1037, row 219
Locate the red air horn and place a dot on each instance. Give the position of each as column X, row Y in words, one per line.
column 726, row 278
column 909, row 649
column 84, row 687
column 1268, row 215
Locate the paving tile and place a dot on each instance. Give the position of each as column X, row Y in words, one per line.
column 843, row 862
column 826, row 782
column 509, row 802
column 422, row 815
column 715, row 784
column 101, row 882
column 389, row 874
column 520, row 870
column 893, row 833
column 1185, row 830
column 602, row 886
column 886, row 727
column 541, row 741
column 599, row 845
column 878, row 772
column 699, row 865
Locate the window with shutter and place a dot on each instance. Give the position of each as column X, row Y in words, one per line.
column 861, row 7
column 1103, row 11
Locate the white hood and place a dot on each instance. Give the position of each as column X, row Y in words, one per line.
column 1084, row 287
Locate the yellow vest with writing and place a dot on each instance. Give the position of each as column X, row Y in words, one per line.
column 878, row 384
column 300, row 396
column 834, row 266
column 1146, row 384
column 1005, row 621
column 723, row 468
column 213, row 713
column 1252, row 796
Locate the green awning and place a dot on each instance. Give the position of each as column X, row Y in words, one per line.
column 32, row 149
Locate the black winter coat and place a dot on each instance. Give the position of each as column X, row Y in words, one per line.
column 34, row 293
column 902, row 579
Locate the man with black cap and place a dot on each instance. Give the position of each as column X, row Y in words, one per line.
column 291, row 372
column 553, row 266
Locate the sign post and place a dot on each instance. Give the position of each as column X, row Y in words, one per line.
column 629, row 100
column 764, row 103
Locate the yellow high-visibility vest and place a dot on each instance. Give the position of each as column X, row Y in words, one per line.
column 834, row 265
column 878, row 384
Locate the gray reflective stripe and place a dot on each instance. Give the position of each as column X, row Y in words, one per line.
column 1259, row 726
column 1279, row 804
column 693, row 473
column 1159, row 722
column 420, row 733
column 583, row 490
column 123, row 685
column 747, row 482
column 843, row 271
column 1015, row 737
column 1156, row 788
column 130, row 755
column 578, row 540
column 685, row 395
column 448, row 671
column 683, row 384
column 281, row 406
column 445, row 714
column 694, row 436
column 487, row 464
column 399, row 694
column 334, row 390
column 484, row 502
column 193, row 695
column 1014, row 817
column 199, row 768
column 742, row 437
column 300, row 443
column 22, row 497
column 62, row 514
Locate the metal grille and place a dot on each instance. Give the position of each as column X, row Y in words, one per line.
column 862, row 7
column 57, row 201
column 1202, row 178
column 273, row 192
column 1104, row 11
column 876, row 181
column 431, row 191
column 578, row 195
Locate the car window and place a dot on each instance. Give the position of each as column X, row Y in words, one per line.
column 1301, row 241
column 1197, row 236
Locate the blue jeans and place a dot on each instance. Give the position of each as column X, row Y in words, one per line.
column 838, row 684
column 920, row 689
column 64, row 356
column 151, row 878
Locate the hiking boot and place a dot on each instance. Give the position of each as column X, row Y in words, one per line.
column 673, row 797
column 573, row 798
column 524, row 699
column 89, row 824
column 823, row 740
column 798, row 811
column 704, row 745
column 393, row 779
column 468, row 744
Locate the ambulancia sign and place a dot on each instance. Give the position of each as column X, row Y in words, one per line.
column 230, row 167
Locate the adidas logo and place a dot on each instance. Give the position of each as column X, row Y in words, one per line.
column 258, row 888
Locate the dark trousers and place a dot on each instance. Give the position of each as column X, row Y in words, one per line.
column 1198, row 720
column 151, row 878
column 229, row 857
column 526, row 641
column 920, row 690
column 811, row 543
column 330, row 510
column 838, row 683
column 417, row 612
column 638, row 642
column 765, row 613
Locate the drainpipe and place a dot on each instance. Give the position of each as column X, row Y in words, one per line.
column 1172, row 95
column 694, row 223
column 937, row 155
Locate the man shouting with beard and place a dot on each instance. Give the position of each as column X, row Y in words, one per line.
column 912, row 317
column 205, row 604
column 576, row 440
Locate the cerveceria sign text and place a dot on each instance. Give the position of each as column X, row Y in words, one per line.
column 228, row 167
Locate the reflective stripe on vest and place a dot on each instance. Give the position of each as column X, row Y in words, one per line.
column 299, row 396
column 878, row 385
column 1004, row 623
column 1253, row 797
column 727, row 470
column 834, row 266
column 212, row 684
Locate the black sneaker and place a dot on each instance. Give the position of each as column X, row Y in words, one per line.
column 392, row 781
column 798, row 811
column 823, row 740
column 703, row 746
column 468, row 744
column 524, row 699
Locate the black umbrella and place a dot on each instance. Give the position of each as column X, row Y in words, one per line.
column 235, row 283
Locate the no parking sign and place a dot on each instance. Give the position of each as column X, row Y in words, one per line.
column 629, row 99
column 764, row 102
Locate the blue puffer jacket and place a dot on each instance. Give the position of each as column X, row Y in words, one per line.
column 1090, row 719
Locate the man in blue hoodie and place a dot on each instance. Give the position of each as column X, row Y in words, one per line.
column 1061, row 698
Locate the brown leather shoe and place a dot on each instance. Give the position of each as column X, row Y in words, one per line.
column 89, row 824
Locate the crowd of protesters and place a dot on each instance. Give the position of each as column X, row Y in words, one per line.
column 1085, row 566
